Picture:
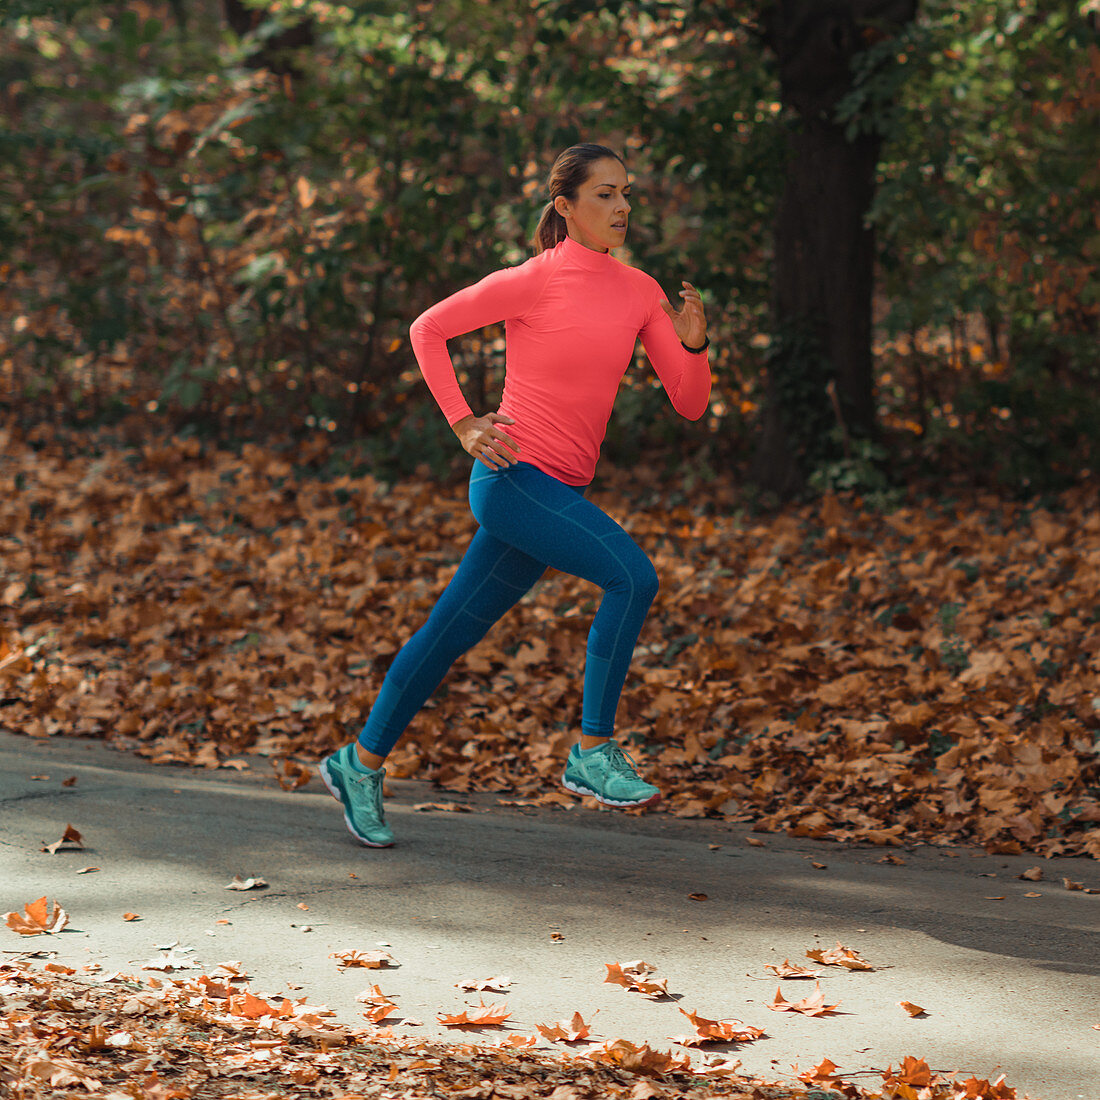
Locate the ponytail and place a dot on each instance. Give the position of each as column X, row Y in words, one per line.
column 550, row 230
column 569, row 172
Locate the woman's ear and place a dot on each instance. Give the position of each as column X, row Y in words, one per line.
column 561, row 205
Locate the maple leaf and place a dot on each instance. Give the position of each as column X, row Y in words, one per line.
column 639, row 1059
column 1032, row 874
column 718, row 1031
column 70, row 840
column 912, row 1071
column 822, row 1074
column 380, row 1005
column 787, row 969
column 370, row 960
column 632, row 977
column 840, row 956
column 809, row 1006
column 443, row 807
column 131, row 916
column 565, row 1031
column 37, row 918
column 912, row 1009
column 485, row 985
column 291, row 774
column 489, row 1016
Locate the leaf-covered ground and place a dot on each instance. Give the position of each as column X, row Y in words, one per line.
column 928, row 675
column 68, row 1034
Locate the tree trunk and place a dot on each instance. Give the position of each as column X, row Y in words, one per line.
column 824, row 253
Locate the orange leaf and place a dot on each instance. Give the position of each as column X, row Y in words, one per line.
column 718, row 1031
column 643, row 1059
column 632, row 977
column 70, row 839
column 37, row 918
column 565, row 1031
column 371, row 960
column 840, row 956
column 912, row 1071
column 131, row 916
column 912, row 1009
column 490, row 1016
column 787, row 969
column 821, row 1074
column 809, row 1006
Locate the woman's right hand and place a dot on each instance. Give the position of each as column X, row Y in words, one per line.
column 480, row 437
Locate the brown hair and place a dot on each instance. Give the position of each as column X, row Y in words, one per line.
column 570, row 170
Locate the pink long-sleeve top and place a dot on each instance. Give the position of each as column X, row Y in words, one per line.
column 572, row 316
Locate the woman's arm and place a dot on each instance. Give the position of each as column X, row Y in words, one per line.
column 498, row 297
column 666, row 336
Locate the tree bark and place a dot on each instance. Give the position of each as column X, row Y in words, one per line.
column 823, row 280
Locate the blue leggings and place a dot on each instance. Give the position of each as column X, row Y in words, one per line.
column 529, row 520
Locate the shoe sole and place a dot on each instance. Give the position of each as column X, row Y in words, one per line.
column 608, row 801
column 334, row 791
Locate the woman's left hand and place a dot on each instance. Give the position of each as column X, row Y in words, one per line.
column 689, row 321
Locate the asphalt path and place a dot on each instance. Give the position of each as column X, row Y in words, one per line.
column 1010, row 983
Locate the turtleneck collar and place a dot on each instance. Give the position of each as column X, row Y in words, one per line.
column 587, row 258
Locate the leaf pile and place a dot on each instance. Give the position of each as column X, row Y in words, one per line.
column 927, row 675
column 67, row 1034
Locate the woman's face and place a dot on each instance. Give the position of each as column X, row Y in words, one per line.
column 597, row 218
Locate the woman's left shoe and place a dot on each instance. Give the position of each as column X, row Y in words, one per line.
column 609, row 775
column 361, row 795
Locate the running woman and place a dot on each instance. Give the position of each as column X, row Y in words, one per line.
column 572, row 315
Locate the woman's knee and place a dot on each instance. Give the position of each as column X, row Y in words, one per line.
column 646, row 581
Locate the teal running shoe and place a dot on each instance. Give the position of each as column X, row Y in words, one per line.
column 610, row 775
column 361, row 795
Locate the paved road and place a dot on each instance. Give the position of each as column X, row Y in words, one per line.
column 1010, row 986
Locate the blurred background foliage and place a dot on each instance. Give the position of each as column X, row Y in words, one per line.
column 220, row 218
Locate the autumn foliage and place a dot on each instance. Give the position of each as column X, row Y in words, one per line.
column 927, row 674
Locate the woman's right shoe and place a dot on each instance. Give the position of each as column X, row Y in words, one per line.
column 607, row 773
column 360, row 793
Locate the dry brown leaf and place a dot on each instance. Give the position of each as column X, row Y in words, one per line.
column 912, row 1071
column 697, row 897
column 634, row 977
column 787, row 969
column 381, row 1006
column 442, row 807
column 1032, row 874
column 565, row 1031
column 809, row 1006
column 822, row 1074
column 639, row 1059
column 70, row 840
column 840, row 955
column 290, row 773
column 370, row 960
column 718, row 1031
column 485, row 985
column 37, row 918
column 131, row 916
column 912, row 1009
column 488, row 1016
column 69, row 782
column 86, row 870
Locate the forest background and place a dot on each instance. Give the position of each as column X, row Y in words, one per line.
column 217, row 221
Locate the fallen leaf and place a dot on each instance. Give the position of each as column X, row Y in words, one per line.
column 239, row 883
column 752, row 842
column 70, row 782
column 997, row 897
column 70, row 840
column 370, row 960
column 37, row 918
column 698, row 897
column 565, row 1031
column 380, row 1005
column 912, row 1071
column 840, row 956
column 485, row 985
column 1032, row 894
column 302, row 905
column 130, row 916
column 912, row 1009
column 821, row 1074
column 809, row 1006
column 513, row 1042
column 86, row 870
column 633, row 977
column 291, row 774
column 820, row 866
column 489, row 1016
column 787, row 969
column 891, row 858
column 1032, row 874
column 639, row 1059
column 718, row 1031
column 1069, row 884
column 443, row 807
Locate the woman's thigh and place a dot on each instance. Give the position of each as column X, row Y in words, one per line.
column 553, row 523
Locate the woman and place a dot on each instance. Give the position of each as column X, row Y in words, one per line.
column 572, row 316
